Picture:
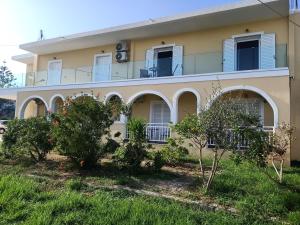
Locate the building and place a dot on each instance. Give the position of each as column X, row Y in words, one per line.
column 165, row 67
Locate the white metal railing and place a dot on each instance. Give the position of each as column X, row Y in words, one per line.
column 243, row 142
column 294, row 6
column 156, row 132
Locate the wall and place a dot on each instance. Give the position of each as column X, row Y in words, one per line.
column 294, row 65
column 202, row 52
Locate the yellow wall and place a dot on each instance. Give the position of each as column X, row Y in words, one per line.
column 141, row 107
column 294, row 65
column 207, row 44
column 187, row 104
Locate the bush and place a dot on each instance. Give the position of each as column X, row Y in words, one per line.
column 134, row 151
column 173, row 152
column 29, row 137
column 79, row 130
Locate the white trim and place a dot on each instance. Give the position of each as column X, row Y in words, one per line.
column 247, row 34
column 148, row 92
column 52, row 61
column 177, row 96
column 110, row 69
column 25, row 103
column 277, row 72
column 256, row 90
column 52, row 100
column 108, row 96
column 252, row 37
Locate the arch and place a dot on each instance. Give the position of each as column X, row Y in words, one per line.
column 25, row 103
column 149, row 92
column 53, row 99
column 256, row 90
column 177, row 96
column 109, row 95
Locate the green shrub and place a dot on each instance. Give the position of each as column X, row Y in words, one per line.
column 134, row 151
column 29, row 137
column 173, row 152
column 158, row 160
column 79, row 130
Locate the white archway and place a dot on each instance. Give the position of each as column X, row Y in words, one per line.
column 25, row 103
column 53, row 99
column 256, row 90
column 109, row 95
column 177, row 96
column 149, row 92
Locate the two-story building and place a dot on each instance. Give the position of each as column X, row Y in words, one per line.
column 166, row 68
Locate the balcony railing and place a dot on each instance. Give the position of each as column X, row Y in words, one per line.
column 156, row 132
column 243, row 143
column 203, row 63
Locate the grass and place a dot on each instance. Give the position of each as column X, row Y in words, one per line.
column 46, row 200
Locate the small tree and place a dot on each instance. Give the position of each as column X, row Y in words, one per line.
column 280, row 143
column 6, row 77
column 28, row 137
column 79, row 130
column 217, row 125
column 267, row 146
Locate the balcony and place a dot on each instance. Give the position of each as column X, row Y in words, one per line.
column 243, row 143
column 156, row 132
column 194, row 64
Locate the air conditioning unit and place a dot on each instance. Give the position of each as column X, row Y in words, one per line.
column 122, row 46
column 122, row 57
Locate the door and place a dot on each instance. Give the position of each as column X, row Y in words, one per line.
column 54, row 72
column 160, row 113
column 102, row 67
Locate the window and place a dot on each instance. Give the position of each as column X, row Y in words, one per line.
column 161, row 61
column 159, row 112
column 249, row 52
column 247, row 55
column 102, row 67
column 163, row 58
column 54, row 72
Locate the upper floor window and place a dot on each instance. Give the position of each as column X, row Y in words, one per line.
column 161, row 61
column 294, row 5
column 54, row 72
column 249, row 52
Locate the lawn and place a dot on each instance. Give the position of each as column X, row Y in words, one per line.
column 54, row 193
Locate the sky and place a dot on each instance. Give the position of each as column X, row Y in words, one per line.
column 22, row 20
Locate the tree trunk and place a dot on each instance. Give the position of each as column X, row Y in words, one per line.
column 202, row 172
column 212, row 172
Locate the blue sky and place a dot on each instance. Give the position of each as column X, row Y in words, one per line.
column 21, row 20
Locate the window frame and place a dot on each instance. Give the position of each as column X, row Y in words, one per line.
column 61, row 68
column 151, row 111
column 109, row 54
column 246, row 38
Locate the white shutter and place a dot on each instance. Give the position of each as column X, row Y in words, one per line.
column 149, row 60
column 177, row 60
column 54, row 72
column 229, row 55
column 267, row 51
